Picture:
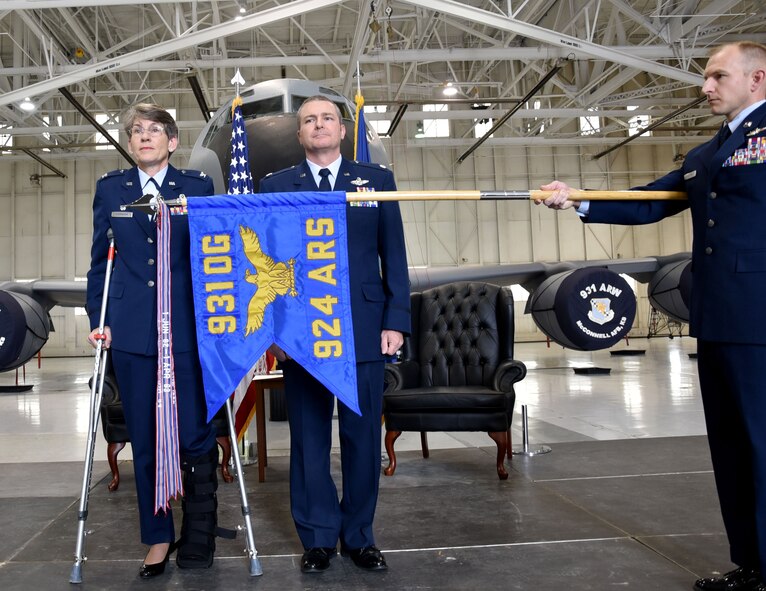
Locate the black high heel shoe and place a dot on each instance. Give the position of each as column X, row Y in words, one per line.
column 147, row 571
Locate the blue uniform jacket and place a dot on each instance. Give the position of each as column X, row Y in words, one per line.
column 726, row 190
column 380, row 291
column 132, row 304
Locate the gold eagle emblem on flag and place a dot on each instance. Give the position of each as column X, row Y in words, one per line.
column 271, row 279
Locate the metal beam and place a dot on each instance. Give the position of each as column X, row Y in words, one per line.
column 90, row 119
column 116, row 64
column 199, row 95
column 500, row 122
column 648, row 128
column 47, row 165
column 710, row 13
column 396, row 120
column 361, row 33
column 399, row 56
column 577, row 47
column 638, row 18
column 40, row 4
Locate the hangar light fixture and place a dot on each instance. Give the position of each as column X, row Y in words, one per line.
column 449, row 89
column 27, row 105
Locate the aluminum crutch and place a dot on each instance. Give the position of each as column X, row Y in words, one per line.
column 96, row 394
column 254, row 564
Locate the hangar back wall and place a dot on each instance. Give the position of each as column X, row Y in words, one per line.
column 45, row 229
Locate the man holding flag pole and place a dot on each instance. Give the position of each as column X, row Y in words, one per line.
column 724, row 182
column 379, row 288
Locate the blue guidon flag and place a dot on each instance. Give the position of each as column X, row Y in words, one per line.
column 272, row 268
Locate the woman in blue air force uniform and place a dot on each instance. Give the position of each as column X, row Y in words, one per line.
column 131, row 334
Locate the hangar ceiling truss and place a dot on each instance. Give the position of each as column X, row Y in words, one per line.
column 617, row 60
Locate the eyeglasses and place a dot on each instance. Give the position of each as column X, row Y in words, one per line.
column 153, row 130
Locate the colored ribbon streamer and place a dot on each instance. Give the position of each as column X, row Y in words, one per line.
column 169, row 483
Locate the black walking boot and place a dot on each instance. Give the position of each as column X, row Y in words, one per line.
column 200, row 506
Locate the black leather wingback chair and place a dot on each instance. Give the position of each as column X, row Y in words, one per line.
column 457, row 369
column 116, row 431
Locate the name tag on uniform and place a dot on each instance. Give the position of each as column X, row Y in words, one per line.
column 690, row 175
column 122, row 214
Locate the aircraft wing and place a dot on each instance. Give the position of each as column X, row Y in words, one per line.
column 531, row 275
column 56, row 292
column 553, row 287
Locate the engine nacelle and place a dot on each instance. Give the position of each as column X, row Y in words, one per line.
column 670, row 288
column 584, row 309
column 24, row 329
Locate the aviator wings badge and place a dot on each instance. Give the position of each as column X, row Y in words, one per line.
column 271, row 279
column 358, row 182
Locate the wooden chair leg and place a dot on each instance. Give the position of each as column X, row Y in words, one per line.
column 391, row 437
column 112, row 449
column 501, row 438
column 424, row 444
column 225, row 444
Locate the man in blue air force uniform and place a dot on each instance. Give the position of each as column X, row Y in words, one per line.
column 131, row 333
column 380, row 308
column 725, row 180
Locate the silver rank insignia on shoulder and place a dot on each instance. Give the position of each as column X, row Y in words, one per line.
column 202, row 174
column 359, row 182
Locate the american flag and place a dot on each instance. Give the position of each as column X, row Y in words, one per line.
column 240, row 178
column 241, row 182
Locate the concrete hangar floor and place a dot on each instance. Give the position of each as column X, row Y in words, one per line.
column 625, row 499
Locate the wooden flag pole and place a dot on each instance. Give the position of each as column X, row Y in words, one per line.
column 576, row 195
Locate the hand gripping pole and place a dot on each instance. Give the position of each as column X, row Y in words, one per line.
column 96, row 394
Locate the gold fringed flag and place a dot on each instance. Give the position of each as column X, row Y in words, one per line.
column 361, row 149
column 272, row 268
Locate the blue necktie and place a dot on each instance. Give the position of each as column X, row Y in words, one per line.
column 148, row 186
column 724, row 134
column 324, row 184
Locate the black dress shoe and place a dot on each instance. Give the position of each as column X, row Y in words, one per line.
column 741, row 579
column 316, row 560
column 368, row 558
column 147, row 571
